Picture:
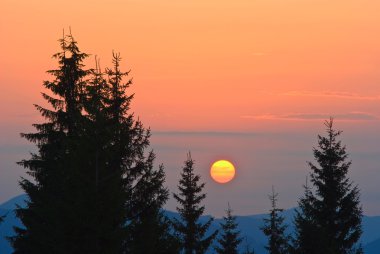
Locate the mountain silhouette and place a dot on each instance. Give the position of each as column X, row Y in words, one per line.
column 248, row 225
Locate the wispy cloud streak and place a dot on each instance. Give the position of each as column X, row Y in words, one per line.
column 334, row 94
column 351, row 116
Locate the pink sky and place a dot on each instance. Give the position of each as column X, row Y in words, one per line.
column 264, row 66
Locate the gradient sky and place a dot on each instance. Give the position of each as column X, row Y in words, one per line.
column 245, row 80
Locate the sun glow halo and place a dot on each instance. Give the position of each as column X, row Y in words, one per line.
column 222, row 171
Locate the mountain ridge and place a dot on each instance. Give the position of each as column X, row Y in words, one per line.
column 249, row 225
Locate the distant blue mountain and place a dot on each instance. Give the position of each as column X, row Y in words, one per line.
column 248, row 225
column 11, row 204
column 6, row 228
column 372, row 247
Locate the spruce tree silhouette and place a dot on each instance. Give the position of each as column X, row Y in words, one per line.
column 229, row 240
column 91, row 168
column 150, row 232
column 329, row 220
column 192, row 233
column 274, row 228
column 49, row 205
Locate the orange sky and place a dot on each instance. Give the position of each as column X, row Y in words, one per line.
column 206, row 65
column 226, row 65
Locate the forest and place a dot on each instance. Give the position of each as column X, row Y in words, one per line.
column 93, row 187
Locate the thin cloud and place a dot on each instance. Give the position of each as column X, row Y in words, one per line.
column 260, row 117
column 203, row 133
column 334, row 94
column 351, row 116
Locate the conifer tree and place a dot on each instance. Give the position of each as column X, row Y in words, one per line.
column 149, row 231
column 329, row 220
column 274, row 229
column 139, row 186
column 306, row 238
column 104, row 198
column 229, row 240
column 49, row 205
column 91, row 167
column 128, row 137
column 191, row 231
column 129, row 187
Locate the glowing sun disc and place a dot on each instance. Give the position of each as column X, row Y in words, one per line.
column 222, row 171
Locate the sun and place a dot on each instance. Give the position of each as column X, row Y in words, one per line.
column 222, row 171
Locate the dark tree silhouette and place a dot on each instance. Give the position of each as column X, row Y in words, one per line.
column 91, row 168
column 149, row 231
column 329, row 220
column 229, row 240
column 274, row 228
column 49, row 205
column 192, row 233
column 307, row 238
column 141, row 186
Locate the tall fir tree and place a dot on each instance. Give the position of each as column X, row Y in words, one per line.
column 307, row 238
column 149, row 231
column 274, row 228
column 141, row 189
column 90, row 164
column 192, row 233
column 127, row 185
column 329, row 220
column 230, row 238
column 103, row 201
column 46, row 214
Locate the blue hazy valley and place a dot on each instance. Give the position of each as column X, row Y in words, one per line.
column 248, row 225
